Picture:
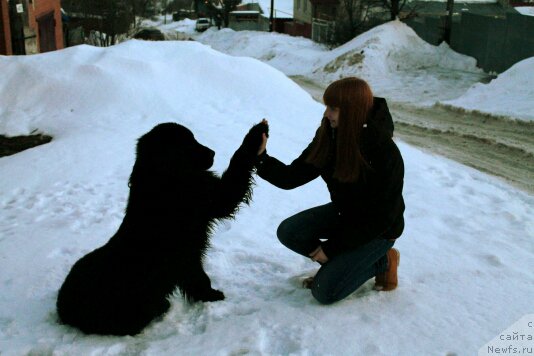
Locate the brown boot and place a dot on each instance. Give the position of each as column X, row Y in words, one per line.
column 388, row 280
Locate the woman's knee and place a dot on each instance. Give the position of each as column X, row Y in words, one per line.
column 323, row 295
column 285, row 231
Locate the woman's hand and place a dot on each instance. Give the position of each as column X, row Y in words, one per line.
column 264, row 136
column 318, row 255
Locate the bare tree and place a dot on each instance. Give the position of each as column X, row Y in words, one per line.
column 177, row 5
column 227, row 7
column 355, row 17
column 105, row 20
column 142, row 9
column 394, row 7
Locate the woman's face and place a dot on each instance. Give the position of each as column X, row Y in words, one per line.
column 332, row 114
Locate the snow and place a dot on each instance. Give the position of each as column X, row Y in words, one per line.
column 393, row 58
column 398, row 64
column 466, row 253
column 291, row 55
column 511, row 94
column 525, row 10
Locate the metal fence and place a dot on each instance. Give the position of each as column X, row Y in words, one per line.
column 322, row 31
column 497, row 43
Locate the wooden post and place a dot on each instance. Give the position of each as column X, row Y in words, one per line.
column 448, row 22
column 271, row 19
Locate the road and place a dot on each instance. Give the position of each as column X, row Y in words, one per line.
column 498, row 146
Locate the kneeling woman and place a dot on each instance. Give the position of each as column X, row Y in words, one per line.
column 352, row 236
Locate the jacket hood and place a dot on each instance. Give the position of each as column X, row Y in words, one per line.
column 379, row 127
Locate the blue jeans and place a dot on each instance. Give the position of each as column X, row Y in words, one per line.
column 342, row 274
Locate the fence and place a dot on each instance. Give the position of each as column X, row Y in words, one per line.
column 497, row 43
column 322, row 31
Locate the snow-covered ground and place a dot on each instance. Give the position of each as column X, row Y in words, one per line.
column 511, row 94
column 467, row 251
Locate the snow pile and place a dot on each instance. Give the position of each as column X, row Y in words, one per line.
column 291, row 55
column 466, row 251
column 510, row 94
column 392, row 58
column 398, row 64
column 158, row 77
column 391, row 47
column 525, row 10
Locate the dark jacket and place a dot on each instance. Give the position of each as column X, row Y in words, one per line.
column 370, row 208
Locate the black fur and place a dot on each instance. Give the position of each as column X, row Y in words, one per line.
column 174, row 201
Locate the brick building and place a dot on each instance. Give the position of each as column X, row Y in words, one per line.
column 30, row 26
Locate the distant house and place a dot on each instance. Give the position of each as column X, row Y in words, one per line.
column 255, row 15
column 315, row 19
column 30, row 26
column 324, row 16
column 302, row 19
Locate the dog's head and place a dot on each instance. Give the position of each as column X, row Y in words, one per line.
column 165, row 154
column 173, row 145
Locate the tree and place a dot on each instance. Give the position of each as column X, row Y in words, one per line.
column 107, row 19
column 394, row 7
column 227, row 7
column 177, row 5
column 355, row 17
column 142, row 9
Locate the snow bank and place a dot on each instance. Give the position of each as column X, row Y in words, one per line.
column 510, row 94
column 398, row 64
column 391, row 47
column 466, row 252
column 128, row 88
column 525, row 10
column 292, row 55
column 87, row 85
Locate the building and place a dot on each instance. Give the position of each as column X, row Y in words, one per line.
column 30, row 26
column 302, row 19
column 315, row 19
column 255, row 15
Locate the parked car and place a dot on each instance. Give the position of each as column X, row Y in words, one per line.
column 202, row 24
column 150, row 34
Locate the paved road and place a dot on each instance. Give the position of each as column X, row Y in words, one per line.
column 499, row 146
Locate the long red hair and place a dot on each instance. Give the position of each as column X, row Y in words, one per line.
column 354, row 98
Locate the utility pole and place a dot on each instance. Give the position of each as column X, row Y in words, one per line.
column 448, row 22
column 271, row 20
column 165, row 12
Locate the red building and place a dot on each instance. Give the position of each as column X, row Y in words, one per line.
column 30, row 26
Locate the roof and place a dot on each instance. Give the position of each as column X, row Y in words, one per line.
column 245, row 12
column 283, row 9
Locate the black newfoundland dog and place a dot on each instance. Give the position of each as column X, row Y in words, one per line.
column 119, row 288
